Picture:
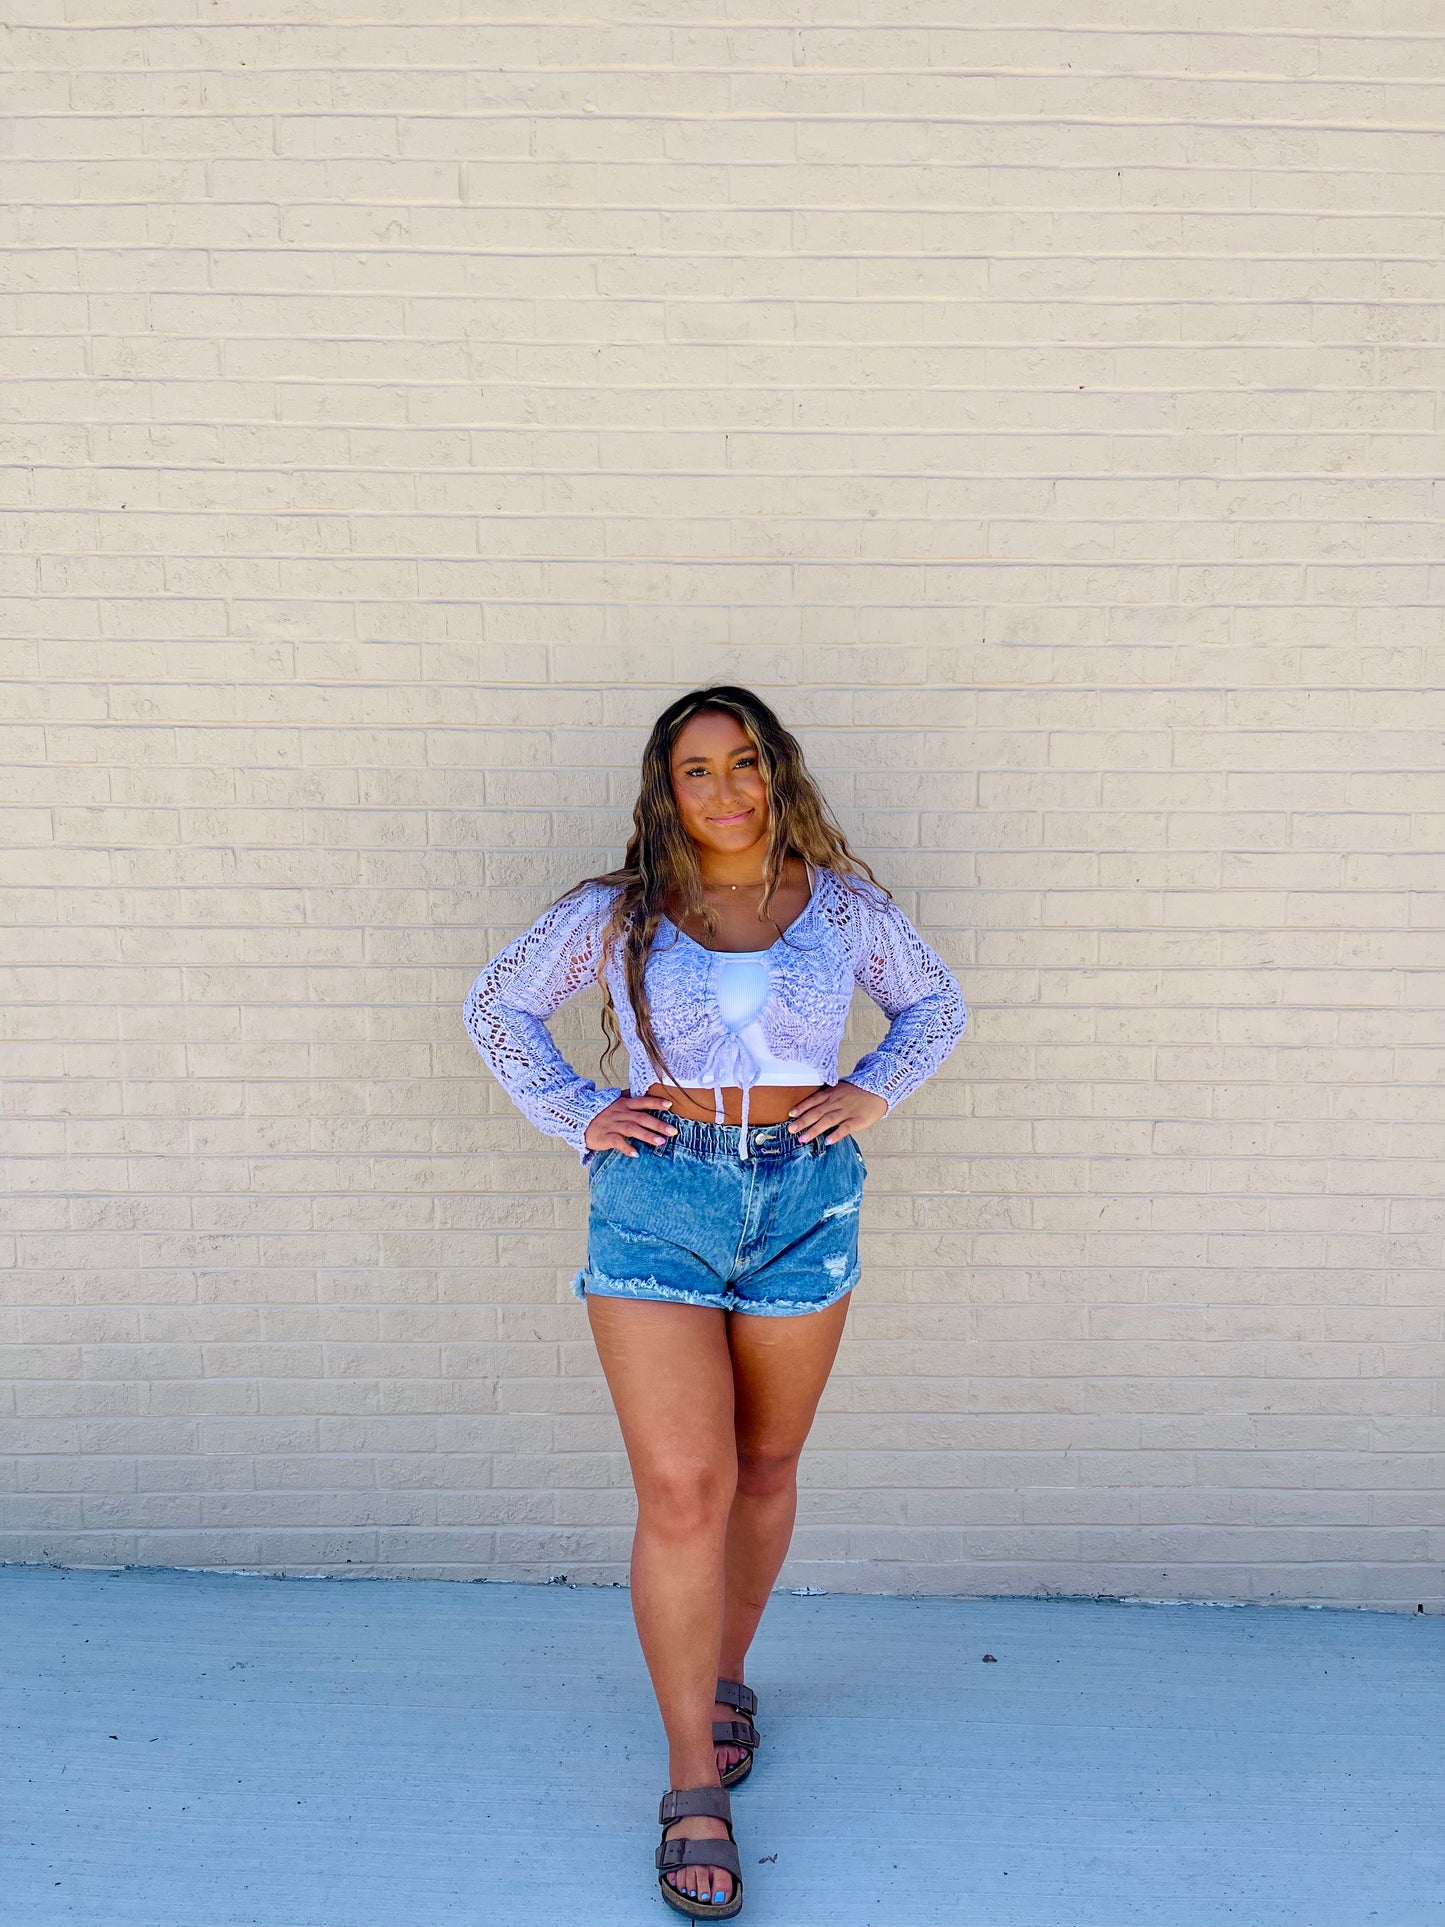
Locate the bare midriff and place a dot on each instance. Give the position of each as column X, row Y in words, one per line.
column 768, row 1103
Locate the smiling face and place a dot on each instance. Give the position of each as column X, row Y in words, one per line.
column 720, row 790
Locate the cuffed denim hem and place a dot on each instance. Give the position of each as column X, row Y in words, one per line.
column 601, row 1286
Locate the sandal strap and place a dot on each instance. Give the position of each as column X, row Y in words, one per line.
column 673, row 1854
column 732, row 1692
column 735, row 1733
column 680, row 1802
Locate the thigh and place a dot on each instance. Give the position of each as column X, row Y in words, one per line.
column 670, row 1374
column 780, row 1366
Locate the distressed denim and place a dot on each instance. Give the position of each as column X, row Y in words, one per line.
column 691, row 1223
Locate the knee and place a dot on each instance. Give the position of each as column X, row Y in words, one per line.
column 764, row 1475
column 683, row 1500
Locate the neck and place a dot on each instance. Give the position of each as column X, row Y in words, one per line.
column 723, row 872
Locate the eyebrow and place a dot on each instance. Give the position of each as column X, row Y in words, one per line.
column 743, row 749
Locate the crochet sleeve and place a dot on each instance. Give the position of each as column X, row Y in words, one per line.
column 912, row 985
column 516, row 991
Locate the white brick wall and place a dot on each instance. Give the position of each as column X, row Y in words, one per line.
column 402, row 403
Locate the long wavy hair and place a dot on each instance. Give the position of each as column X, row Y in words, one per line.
column 661, row 862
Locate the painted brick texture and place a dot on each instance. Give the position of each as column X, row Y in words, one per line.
column 400, row 406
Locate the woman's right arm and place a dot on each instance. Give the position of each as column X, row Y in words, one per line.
column 517, row 990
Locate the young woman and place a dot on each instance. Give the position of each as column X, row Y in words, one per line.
column 722, row 1237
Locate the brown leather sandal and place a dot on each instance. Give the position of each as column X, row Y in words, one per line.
column 742, row 1699
column 677, row 1804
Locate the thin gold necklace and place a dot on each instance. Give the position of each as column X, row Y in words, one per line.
column 757, row 883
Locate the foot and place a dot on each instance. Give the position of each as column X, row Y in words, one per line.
column 728, row 1756
column 703, row 1883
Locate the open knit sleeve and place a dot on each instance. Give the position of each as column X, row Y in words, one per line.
column 912, row 985
column 517, row 990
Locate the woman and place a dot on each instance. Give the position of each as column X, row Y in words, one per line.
column 722, row 1238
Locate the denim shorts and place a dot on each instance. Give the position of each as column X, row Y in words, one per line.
column 690, row 1222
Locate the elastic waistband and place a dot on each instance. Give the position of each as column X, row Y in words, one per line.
column 766, row 1142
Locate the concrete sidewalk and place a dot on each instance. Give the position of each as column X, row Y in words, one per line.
column 206, row 1750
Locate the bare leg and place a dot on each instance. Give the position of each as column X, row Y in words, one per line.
column 780, row 1366
column 670, row 1373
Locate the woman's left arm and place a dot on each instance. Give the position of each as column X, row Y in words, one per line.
column 914, row 987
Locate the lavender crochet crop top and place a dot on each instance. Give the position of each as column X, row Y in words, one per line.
column 849, row 934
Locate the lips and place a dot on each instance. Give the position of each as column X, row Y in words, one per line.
column 737, row 818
